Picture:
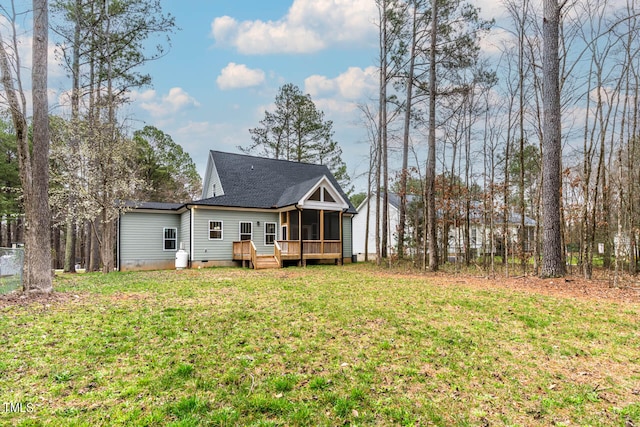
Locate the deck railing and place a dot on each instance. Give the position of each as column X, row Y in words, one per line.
column 277, row 252
column 289, row 249
column 253, row 253
column 321, row 247
column 242, row 250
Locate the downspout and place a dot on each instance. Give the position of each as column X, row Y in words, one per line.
column 351, row 221
column 191, row 235
column 117, row 243
column 341, row 225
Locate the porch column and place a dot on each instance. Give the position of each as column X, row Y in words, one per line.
column 302, row 261
column 321, row 231
column 341, row 241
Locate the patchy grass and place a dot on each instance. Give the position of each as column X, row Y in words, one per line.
column 320, row 345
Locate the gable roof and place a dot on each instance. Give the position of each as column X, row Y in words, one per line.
column 257, row 182
column 394, row 200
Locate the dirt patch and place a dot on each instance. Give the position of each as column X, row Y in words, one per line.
column 599, row 288
column 129, row 296
column 21, row 299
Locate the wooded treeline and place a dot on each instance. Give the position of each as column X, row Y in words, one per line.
column 470, row 113
column 95, row 160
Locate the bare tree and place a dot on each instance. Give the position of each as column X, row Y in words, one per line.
column 402, row 220
column 33, row 161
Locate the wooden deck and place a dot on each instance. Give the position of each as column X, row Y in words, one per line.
column 289, row 250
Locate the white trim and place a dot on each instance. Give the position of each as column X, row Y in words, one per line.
column 236, row 209
column 240, row 233
column 165, row 239
column 154, row 211
column 221, row 229
column 207, row 176
column 323, row 182
column 274, row 234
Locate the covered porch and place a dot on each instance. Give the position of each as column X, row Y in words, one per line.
column 308, row 234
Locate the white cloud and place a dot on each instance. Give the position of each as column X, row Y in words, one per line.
column 309, row 26
column 340, row 96
column 235, row 76
column 353, row 85
column 317, row 85
column 196, row 138
column 223, row 28
column 146, row 96
column 491, row 9
column 496, row 41
column 335, row 108
column 24, row 41
column 175, row 101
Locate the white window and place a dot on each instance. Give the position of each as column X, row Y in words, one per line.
column 215, row 230
column 269, row 233
column 246, row 230
column 170, row 239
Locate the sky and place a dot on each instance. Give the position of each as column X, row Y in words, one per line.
column 228, row 58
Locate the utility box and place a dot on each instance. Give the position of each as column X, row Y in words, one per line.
column 182, row 258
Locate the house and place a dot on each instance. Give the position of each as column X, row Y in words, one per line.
column 480, row 233
column 254, row 211
column 360, row 225
column 479, row 229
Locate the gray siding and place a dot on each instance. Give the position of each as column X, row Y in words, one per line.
column 214, row 180
column 222, row 250
column 142, row 234
column 347, row 237
column 185, row 231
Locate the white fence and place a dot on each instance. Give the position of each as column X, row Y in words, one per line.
column 11, row 267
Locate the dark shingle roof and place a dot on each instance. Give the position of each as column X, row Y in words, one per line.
column 394, row 199
column 157, row 206
column 257, row 182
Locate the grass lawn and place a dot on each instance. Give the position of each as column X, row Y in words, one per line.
column 321, row 345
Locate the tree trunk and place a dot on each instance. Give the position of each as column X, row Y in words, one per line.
column 431, row 155
column 70, row 234
column 34, row 161
column 552, row 262
column 37, row 236
column 87, row 245
column 384, row 143
column 402, row 220
column 94, row 256
column 381, row 125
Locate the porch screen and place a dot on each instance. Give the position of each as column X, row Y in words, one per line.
column 331, row 225
column 310, row 225
column 294, row 225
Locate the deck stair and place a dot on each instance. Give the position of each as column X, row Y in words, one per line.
column 266, row 261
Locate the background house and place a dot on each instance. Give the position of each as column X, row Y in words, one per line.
column 479, row 229
column 361, row 237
